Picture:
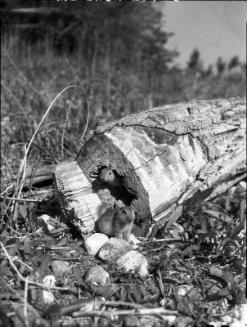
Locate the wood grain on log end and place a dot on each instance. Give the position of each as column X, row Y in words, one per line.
column 79, row 202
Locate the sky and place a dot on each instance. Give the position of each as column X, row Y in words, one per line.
column 216, row 28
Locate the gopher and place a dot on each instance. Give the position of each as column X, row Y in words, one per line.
column 116, row 222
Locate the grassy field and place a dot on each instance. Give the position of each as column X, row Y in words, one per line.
column 201, row 279
column 33, row 75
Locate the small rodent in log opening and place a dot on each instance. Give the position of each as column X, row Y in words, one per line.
column 116, row 222
column 110, row 177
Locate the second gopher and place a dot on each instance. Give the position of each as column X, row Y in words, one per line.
column 108, row 176
column 116, row 222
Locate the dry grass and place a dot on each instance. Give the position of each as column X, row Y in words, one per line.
column 206, row 262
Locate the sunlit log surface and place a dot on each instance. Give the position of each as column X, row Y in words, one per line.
column 168, row 158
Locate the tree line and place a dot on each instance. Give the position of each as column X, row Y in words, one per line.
column 122, row 44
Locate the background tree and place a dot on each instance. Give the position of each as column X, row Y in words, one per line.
column 107, row 39
column 195, row 63
column 221, row 66
column 233, row 63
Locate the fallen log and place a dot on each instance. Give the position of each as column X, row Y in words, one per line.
column 167, row 159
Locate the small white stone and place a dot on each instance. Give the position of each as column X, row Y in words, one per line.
column 97, row 276
column 134, row 241
column 44, row 222
column 113, row 249
column 226, row 319
column 236, row 313
column 242, row 184
column 243, row 312
column 181, row 291
column 143, row 270
column 133, row 261
column 47, row 296
column 237, row 324
column 94, row 242
column 49, row 280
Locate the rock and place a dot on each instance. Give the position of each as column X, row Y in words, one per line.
column 51, row 226
column 181, row 291
column 176, row 230
column 133, row 261
column 59, row 267
column 235, row 324
column 94, row 242
column 243, row 312
column 242, row 186
column 113, row 249
column 131, row 321
column 43, row 221
column 134, row 241
column 49, row 280
column 182, row 321
column 96, row 276
column 47, row 297
column 227, row 319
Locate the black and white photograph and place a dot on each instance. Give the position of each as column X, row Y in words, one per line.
column 123, row 163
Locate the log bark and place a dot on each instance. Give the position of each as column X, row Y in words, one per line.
column 167, row 158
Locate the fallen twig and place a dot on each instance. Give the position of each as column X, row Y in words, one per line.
column 19, row 199
column 30, row 282
column 144, row 311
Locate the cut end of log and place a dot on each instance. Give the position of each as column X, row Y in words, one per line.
column 102, row 153
column 84, row 199
column 79, row 202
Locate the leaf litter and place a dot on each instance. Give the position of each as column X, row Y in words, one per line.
column 196, row 271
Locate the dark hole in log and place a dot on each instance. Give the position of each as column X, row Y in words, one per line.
column 119, row 191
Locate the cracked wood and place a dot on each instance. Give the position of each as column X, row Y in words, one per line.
column 170, row 155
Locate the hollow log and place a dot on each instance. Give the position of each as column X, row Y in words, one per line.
column 167, row 159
